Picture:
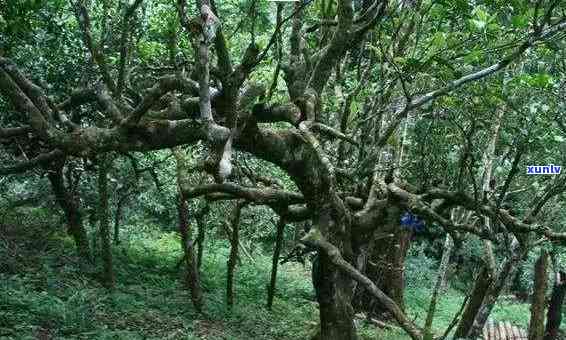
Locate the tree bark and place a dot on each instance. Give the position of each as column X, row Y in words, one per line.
column 283, row 148
column 536, row 326
column 104, row 227
column 201, row 233
column 70, row 207
column 117, row 219
column 386, row 264
column 315, row 239
column 233, row 257
column 481, row 285
column 442, row 269
column 554, row 315
column 493, row 293
column 275, row 262
column 334, row 298
column 192, row 278
column 334, row 289
column 192, row 272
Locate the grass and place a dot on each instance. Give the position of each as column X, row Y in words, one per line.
column 45, row 294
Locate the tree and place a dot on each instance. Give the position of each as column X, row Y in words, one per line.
column 536, row 325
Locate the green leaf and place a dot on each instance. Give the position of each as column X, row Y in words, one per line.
column 478, row 24
column 481, row 14
column 399, row 60
column 474, row 57
column 541, row 80
column 438, row 40
column 520, row 21
column 354, row 106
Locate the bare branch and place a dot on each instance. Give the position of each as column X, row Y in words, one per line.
column 451, row 86
column 42, row 159
column 416, row 204
column 512, row 223
column 14, row 132
column 557, row 187
column 267, row 196
column 78, row 98
column 224, row 60
column 333, row 133
column 297, row 22
column 514, row 170
column 162, row 87
column 336, row 48
column 14, row 85
column 289, row 113
column 97, row 57
column 124, row 47
column 107, row 104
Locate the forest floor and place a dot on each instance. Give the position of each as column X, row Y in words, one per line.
column 44, row 294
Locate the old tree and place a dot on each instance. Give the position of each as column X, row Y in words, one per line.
column 371, row 108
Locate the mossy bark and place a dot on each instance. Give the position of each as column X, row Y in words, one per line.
column 192, row 272
column 554, row 316
column 275, row 261
column 69, row 205
column 536, row 326
column 233, row 257
column 481, row 285
column 104, row 225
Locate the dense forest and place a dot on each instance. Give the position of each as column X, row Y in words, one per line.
column 254, row 169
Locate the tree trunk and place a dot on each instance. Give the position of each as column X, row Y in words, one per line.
column 104, row 230
column 493, row 294
column 117, row 218
column 233, row 257
column 536, row 326
column 481, row 285
column 188, row 246
column 201, row 233
column 192, row 272
column 554, row 316
column 386, row 265
column 334, row 288
column 275, row 262
column 334, row 294
column 442, row 269
column 73, row 215
column 400, row 249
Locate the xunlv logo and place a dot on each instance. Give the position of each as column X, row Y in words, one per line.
column 543, row 169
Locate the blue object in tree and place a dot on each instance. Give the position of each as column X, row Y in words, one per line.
column 412, row 222
column 407, row 219
column 419, row 226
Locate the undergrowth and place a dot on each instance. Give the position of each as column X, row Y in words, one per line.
column 46, row 295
